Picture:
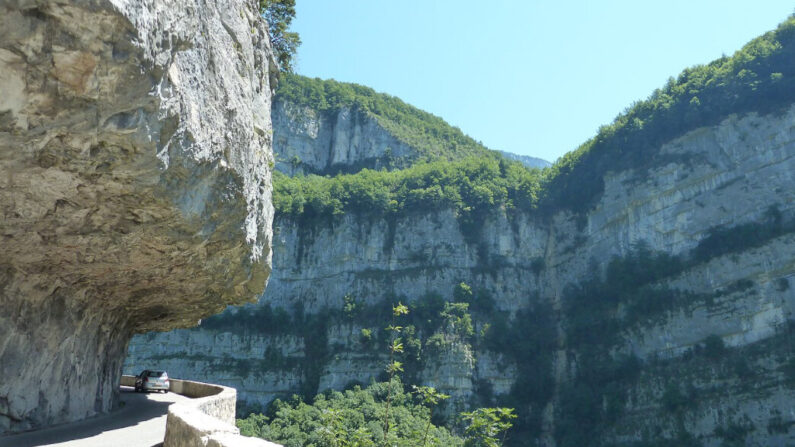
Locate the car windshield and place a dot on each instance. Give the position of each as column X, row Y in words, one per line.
column 155, row 373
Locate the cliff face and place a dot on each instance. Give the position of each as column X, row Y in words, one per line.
column 694, row 256
column 360, row 259
column 328, row 141
column 135, row 188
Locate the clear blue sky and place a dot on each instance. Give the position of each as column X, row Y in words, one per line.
column 526, row 76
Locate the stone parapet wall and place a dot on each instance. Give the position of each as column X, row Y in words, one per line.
column 206, row 420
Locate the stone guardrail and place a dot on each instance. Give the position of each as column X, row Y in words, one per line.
column 207, row 420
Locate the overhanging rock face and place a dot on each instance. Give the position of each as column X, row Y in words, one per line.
column 135, row 155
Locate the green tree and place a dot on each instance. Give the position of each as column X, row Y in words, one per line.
column 429, row 397
column 486, row 427
column 252, row 425
column 279, row 14
column 394, row 366
column 458, row 321
column 462, row 293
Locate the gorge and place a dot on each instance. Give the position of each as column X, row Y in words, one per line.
column 638, row 292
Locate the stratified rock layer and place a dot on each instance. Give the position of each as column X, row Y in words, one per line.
column 134, row 186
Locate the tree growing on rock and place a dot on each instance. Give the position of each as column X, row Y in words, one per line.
column 279, row 14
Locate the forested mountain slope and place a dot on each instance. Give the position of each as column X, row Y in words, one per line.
column 327, row 127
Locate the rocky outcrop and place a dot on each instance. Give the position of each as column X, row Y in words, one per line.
column 735, row 176
column 330, row 141
column 135, row 188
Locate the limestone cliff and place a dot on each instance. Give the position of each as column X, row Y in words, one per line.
column 135, row 190
column 320, row 141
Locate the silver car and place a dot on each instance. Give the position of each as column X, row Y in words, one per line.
column 150, row 380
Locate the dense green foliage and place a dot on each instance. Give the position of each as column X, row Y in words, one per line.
column 383, row 413
column 429, row 135
column 350, row 418
column 279, row 14
column 759, row 77
column 487, row 426
column 473, row 187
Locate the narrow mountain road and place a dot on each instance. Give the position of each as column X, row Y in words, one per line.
column 140, row 422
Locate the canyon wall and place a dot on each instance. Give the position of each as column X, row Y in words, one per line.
column 135, row 152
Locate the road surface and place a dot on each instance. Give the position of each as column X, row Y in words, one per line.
column 140, row 422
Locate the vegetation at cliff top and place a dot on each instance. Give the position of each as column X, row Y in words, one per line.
column 431, row 136
column 468, row 185
column 759, row 77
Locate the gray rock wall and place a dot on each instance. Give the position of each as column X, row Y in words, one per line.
column 312, row 141
column 135, row 189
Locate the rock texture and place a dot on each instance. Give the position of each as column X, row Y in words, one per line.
column 320, row 142
column 727, row 176
column 135, row 188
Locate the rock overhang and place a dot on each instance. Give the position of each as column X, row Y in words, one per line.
column 135, row 196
